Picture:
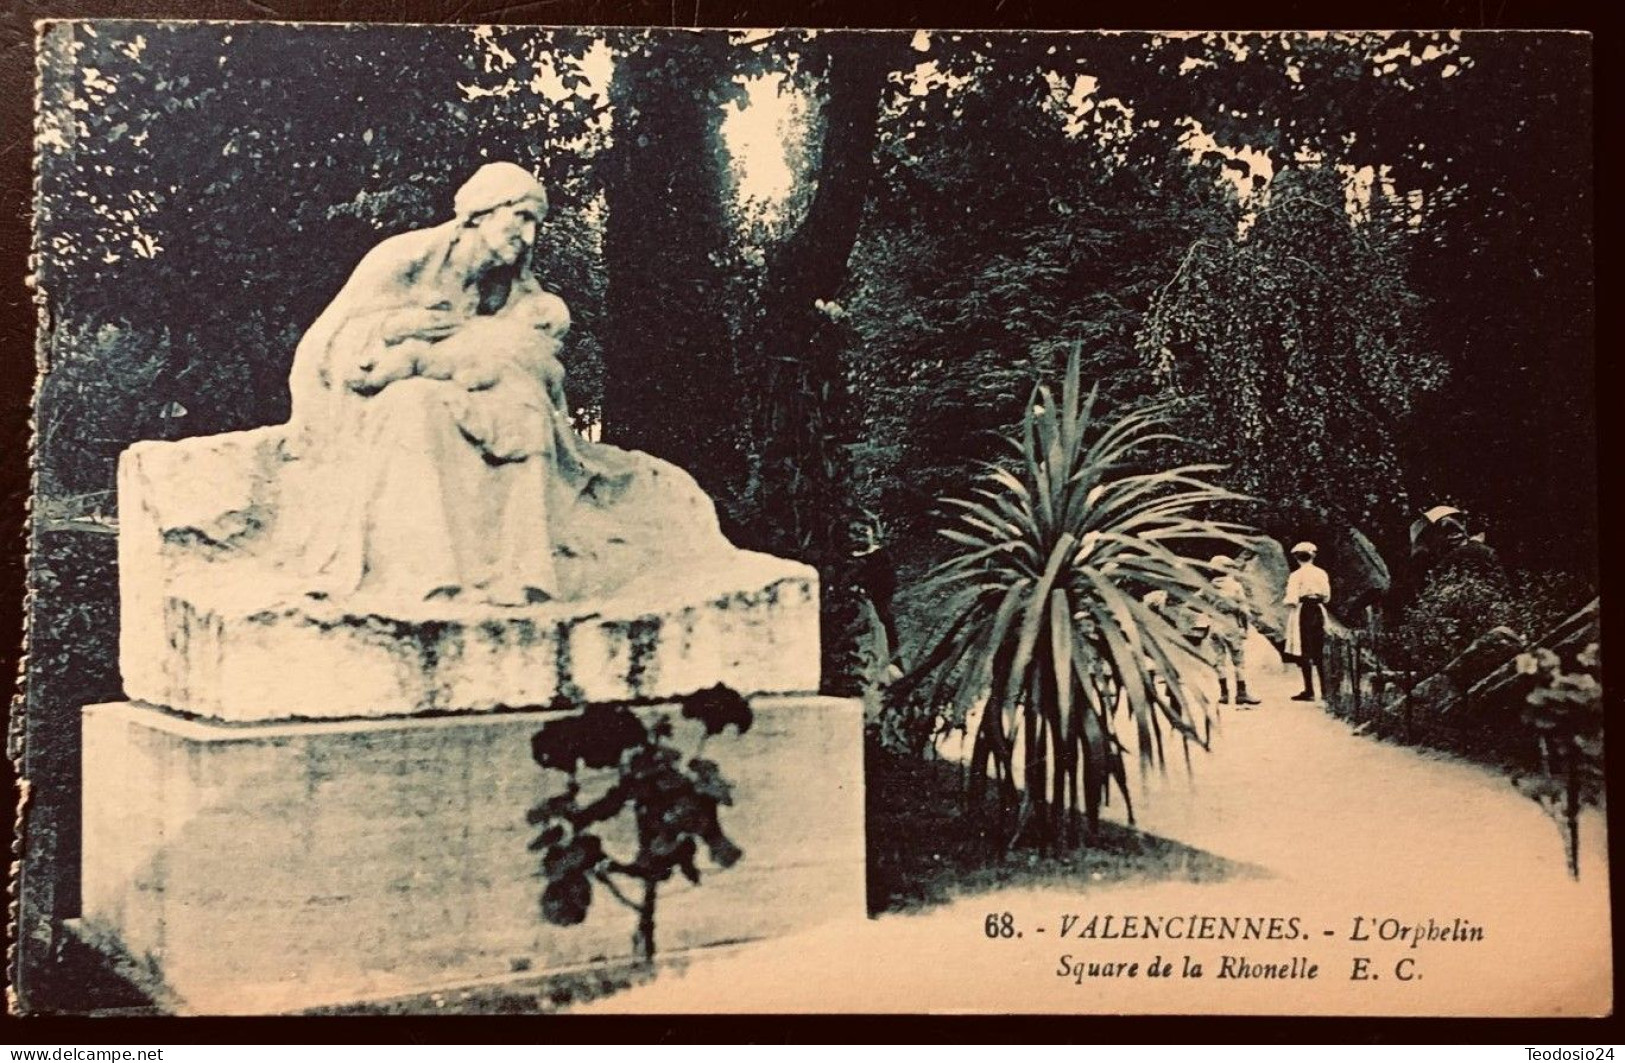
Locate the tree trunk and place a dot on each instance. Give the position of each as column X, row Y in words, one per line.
column 1074, row 745
column 671, row 385
column 1061, row 753
column 643, row 940
column 992, row 743
column 805, row 415
column 1571, row 814
column 1032, row 775
column 981, row 755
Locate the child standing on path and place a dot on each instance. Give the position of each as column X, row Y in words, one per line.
column 1228, row 642
column 1308, row 590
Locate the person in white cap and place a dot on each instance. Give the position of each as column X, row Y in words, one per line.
column 1308, row 590
column 1228, row 642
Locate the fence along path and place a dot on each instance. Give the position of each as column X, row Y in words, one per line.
column 1300, row 792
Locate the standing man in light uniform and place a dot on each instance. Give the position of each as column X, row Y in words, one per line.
column 1308, row 590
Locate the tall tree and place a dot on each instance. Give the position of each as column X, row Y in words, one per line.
column 805, row 419
column 1008, row 224
column 672, row 384
column 1509, row 275
column 1486, row 137
column 1292, row 347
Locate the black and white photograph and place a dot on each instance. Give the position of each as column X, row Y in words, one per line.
column 652, row 521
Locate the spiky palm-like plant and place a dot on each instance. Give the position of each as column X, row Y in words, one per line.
column 1045, row 623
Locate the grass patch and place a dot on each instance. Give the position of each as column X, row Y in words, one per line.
column 925, row 847
column 80, row 979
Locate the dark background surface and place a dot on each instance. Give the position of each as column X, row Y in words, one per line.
column 17, row 328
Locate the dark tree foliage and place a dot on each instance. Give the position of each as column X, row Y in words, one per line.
column 1487, row 139
column 207, row 189
column 673, row 383
column 1292, row 349
column 1006, row 157
column 1508, row 272
column 799, row 350
column 1008, row 226
column 804, row 420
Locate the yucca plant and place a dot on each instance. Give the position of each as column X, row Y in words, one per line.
column 1045, row 622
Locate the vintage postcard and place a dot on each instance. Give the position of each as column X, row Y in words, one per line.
column 654, row 521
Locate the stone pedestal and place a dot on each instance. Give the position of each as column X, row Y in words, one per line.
column 266, row 867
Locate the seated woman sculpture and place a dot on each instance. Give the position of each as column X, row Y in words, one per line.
column 433, row 453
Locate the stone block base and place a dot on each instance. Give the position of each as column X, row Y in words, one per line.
column 747, row 620
column 271, row 867
column 653, row 604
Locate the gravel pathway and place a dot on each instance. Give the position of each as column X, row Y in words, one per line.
column 1359, row 838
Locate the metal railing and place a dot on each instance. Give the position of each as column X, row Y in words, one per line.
column 1399, row 703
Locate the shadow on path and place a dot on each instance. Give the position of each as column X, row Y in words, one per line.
column 925, row 849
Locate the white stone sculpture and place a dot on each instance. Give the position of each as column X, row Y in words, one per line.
column 428, row 533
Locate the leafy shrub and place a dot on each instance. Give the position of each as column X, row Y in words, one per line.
column 97, row 398
column 1460, row 602
column 1563, row 709
column 673, row 805
column 72, row 662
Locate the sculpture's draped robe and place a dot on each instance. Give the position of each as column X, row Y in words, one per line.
column 456, row 474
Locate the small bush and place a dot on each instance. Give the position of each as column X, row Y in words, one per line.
column 673, row 804
column 72, row 662
column 1461, row 602
column 1563, row 711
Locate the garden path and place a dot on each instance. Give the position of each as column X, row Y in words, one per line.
column 1293, row 789
column 1342, row 826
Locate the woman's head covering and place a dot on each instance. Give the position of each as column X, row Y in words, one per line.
column 497, row 184
column 1223, row 562
column 1305, row 548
